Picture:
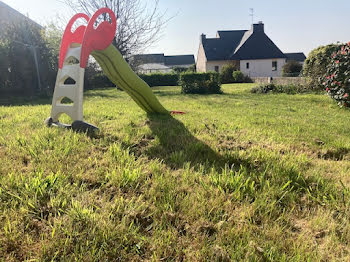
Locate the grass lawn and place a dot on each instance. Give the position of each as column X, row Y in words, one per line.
column 241, row 176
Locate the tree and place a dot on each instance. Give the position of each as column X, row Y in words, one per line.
column 292, row 68
column 192, row 68
column 138, row 25
column 238, row 77
column 337, row 77
column 178, row 70
column 4, row 65
column 25, row 58
column 316, row 64
column 226, row 73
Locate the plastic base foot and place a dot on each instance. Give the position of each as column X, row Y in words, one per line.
column 77, row 126
column 81, row 126
column 48, row 122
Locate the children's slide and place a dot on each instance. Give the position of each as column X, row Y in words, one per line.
column 76, row 46
column 120, row 73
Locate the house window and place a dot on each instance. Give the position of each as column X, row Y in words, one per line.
column 247, row 65
column 274, row 65
column 217, row 69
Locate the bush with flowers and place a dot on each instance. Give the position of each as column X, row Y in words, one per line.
column 337, row 79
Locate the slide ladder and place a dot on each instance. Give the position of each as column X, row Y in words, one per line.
column 73, row 91
column 76, row 47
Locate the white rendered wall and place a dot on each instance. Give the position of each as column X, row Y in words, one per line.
column 201, row 60
column 262, row 67
column 210, row 66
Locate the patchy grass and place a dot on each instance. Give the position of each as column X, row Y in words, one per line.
column 241, row 176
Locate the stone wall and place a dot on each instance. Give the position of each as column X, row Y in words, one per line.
column 281, row 80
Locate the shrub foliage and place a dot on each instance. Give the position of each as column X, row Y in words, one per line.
column 200, row 83
column 97, row 80
column 226, row 73
column 337, row 78
column 179, row 70
column 292, row 69
column 159, row 79
column 316, row 63
column 26, row 59
column 287, row 89
column 238, row 77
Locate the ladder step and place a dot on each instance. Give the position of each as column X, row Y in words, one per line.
column 66, row 109
column 75, row 52
column 70, row 71
column 70, row 92
column 67, row 86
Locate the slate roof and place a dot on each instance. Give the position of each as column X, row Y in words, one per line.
column 154, row 67
column 241, row 45
column 149, row 58
column 165, row 60
column 9, row 15
column 300, row 57
column 222, row 47
column 179, row 60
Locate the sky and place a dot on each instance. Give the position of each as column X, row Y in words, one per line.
column 294, row 26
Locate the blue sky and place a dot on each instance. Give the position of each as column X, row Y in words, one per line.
column 298, row 25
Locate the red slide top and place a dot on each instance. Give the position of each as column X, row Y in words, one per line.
column 70, row 37
column 89, row 37
column 99, row 38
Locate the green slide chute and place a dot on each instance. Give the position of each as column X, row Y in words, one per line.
column 121, row 74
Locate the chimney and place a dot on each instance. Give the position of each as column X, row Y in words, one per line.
column 202, row 38
column 258, row 27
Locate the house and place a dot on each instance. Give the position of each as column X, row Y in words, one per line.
column 299, row 57
column 251, row 51
column 150, row 63
column 9, row 16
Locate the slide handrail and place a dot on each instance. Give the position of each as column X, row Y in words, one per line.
column 70, row 37
column 99, row 38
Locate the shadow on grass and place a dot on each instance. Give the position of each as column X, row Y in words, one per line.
column 28, row 100
column 178, row 146
column 103, row 92
column 24, row 101
column 166, row 93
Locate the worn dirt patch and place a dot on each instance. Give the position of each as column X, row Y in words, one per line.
column 335, row 154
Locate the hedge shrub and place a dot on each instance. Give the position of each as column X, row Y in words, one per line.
column 200, row 83
column 226, row 73
column 238, row 77
column 179, row 70
column 19, row 68
column 290, row 89
column 159, row 79
column 292, row 69
column 4, row 65
column 315, row 65
column 98, row 80
column 337, row 77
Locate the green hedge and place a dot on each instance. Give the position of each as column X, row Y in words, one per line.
column 315, row 66
column 200, row 83
column 290, row 89
column 96, row 81
column 292, row 69
column 159, row 79
column 226, row 73
column 239, row 77
column 100, row 80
